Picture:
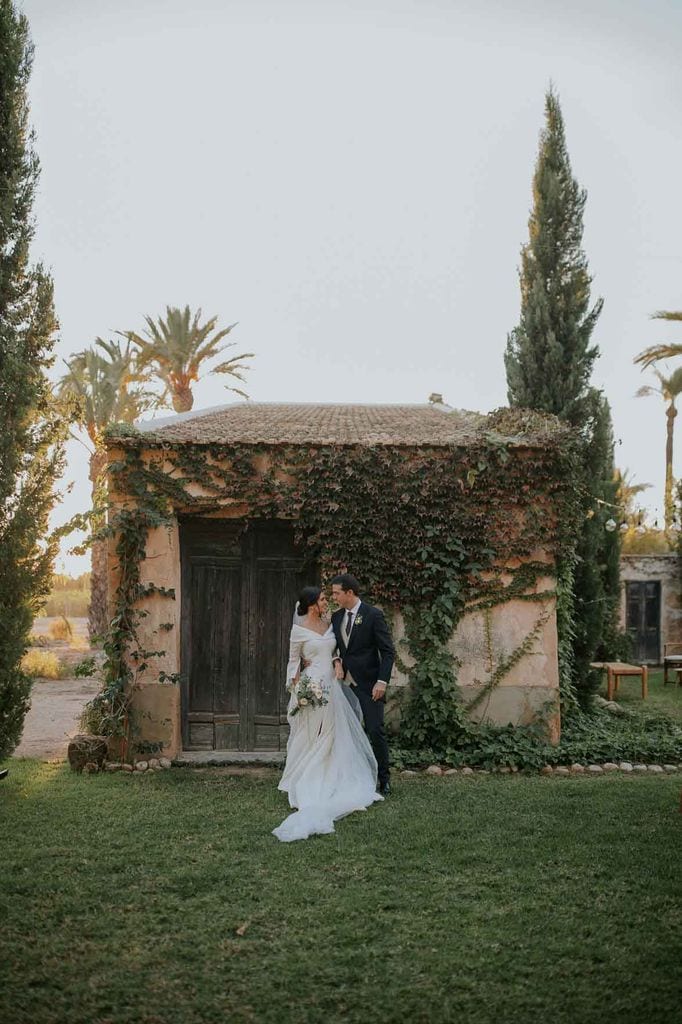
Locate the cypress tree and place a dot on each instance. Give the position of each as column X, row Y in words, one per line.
column 549, row 360
column 597, row 569
column 32, row 430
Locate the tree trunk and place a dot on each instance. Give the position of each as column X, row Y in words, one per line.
column 98, row 618
column 183, row 399
column 671, row 413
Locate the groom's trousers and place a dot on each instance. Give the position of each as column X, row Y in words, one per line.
column 373, row 714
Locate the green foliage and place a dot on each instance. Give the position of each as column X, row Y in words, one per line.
column 597, row 575
column 650, row 541
column 106, row 387
column 85, row 668
column 440, row 529
column 31, row 423
column 549, row 360
column 587, row 737
column 177, row 349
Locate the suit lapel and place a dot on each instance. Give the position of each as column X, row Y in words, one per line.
column 340, row 638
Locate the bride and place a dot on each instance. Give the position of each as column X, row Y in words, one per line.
column 330, row 768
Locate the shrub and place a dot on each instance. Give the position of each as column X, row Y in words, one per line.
column 42, row 665
column 595, row 736
column 61, row 629
column 14, row 704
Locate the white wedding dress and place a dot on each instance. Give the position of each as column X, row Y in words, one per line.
column 330, row 768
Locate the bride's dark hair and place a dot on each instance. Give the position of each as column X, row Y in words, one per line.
column 308, row 596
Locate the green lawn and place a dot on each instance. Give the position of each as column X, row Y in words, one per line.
column 667, row 699
column 506, row 899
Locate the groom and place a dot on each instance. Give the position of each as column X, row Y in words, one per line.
column 366, row 661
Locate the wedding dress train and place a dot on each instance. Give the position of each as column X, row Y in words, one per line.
column 330, row 768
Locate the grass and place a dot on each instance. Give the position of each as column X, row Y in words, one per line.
column 165, row 900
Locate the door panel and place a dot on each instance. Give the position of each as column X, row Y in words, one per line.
column 211, row 660
column 239, row 589
column 643, row 619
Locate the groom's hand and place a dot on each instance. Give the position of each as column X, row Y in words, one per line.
column 378, row 691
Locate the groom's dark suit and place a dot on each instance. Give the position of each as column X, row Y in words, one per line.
column 368, row 657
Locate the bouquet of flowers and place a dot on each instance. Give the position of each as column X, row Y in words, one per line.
column 309, row 694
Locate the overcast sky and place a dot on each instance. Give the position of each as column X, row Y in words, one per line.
column 351, row 181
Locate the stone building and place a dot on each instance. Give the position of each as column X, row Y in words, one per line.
column 218, row 685
column 651, row 604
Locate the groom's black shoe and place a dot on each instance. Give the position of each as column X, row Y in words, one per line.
column 3, row 773
column 385, row 788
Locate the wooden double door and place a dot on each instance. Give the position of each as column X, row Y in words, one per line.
column 239, row 587
column 643, row 617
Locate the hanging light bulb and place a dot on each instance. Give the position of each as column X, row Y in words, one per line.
column 624, row 527
column 610, row 525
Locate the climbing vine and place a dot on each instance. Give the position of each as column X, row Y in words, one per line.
column 433, row 531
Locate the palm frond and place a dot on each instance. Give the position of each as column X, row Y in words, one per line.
column 237, row 391
column 674, row 382
column 663, row 314
column 655, row 353
column 175, row 348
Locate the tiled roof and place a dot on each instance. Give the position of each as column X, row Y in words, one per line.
column 311, row 424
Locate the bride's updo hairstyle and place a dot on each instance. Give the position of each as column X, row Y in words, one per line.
column 307, row 597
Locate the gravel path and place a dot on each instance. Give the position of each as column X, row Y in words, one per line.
column 55, row 708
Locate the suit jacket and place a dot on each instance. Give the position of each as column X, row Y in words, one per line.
column 369, row 654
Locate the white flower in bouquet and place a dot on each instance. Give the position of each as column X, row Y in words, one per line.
column 309, row 694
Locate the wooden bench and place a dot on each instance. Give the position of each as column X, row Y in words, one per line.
column 672, row 661
column 615, row 670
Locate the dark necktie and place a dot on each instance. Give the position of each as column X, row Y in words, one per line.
column 349, row 625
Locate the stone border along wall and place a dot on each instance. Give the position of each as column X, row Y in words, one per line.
column 153, row 765
column 626, row 767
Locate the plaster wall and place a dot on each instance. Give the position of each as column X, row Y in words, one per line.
column 482, row 643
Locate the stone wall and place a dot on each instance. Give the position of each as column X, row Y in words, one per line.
column 667, row 570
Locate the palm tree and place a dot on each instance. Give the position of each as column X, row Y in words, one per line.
column 176, row 349
column 99, row 380
column 668, row 388
column 627, row 493
column 655, row 353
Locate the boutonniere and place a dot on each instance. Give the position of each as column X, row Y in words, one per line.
column 358, row 620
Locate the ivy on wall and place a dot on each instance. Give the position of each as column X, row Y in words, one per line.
column 433, row 531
